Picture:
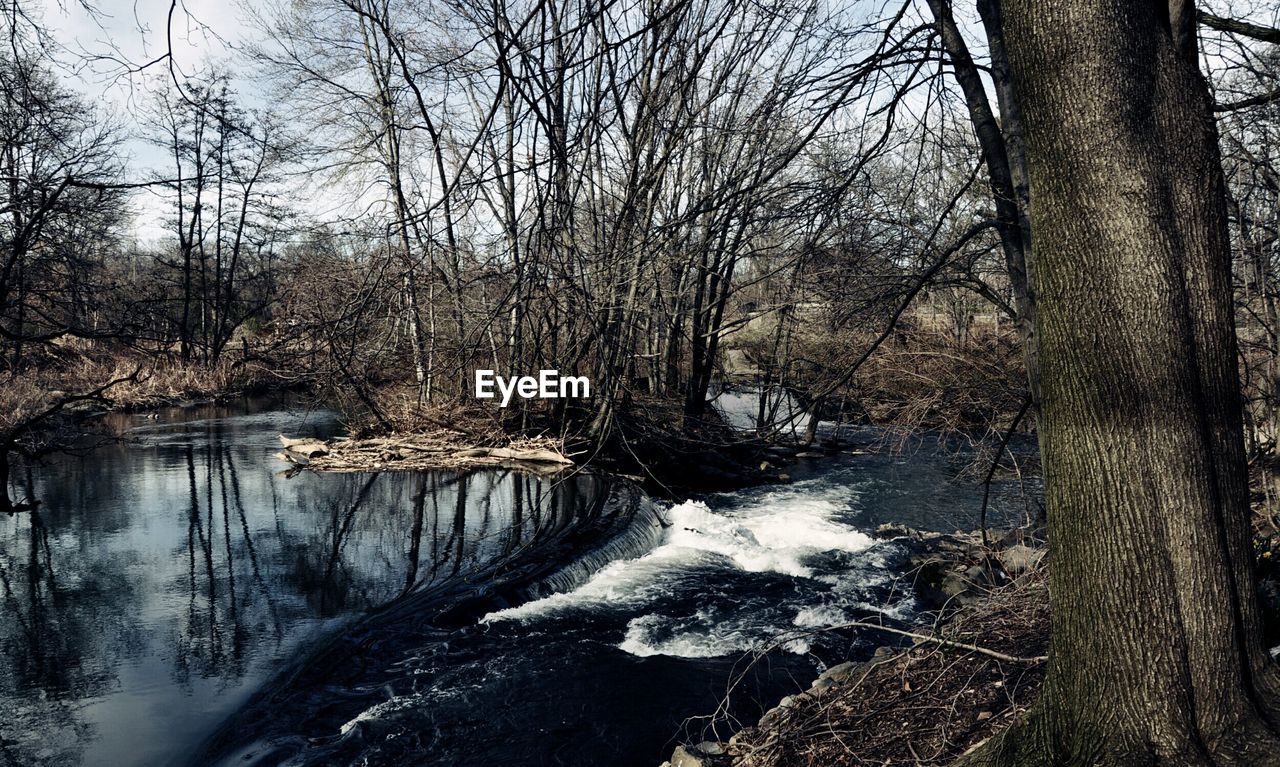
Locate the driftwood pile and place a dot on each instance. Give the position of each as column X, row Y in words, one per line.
column 416, row 452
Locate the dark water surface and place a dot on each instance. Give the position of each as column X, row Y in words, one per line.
column 177, row 600
column 163, row 580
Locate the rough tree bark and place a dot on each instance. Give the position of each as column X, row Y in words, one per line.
column 1156, row 656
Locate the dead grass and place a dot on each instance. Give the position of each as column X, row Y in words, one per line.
column 403, row 411
column 926, row 381
column 150, row 383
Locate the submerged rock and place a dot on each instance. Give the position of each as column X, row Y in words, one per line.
column 895, row 530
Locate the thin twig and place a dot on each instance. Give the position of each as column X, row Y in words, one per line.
column 986, row 485
column 1035, row 659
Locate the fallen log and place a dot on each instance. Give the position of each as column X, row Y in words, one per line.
column 510, row 454
column 421, row 452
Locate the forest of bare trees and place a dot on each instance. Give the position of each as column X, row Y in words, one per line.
column 1008, row 215
column 379, row 198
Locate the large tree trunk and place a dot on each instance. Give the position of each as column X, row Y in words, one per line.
column 1156, row 657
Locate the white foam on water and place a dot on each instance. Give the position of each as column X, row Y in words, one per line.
column 777, row 532
column 794, row 530
column 396, row 703
column 779, row 540
column 701, row 636
column 628, row 581
column 643, row 640
column 820, row 616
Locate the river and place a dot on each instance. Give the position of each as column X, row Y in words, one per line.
column 177, row 599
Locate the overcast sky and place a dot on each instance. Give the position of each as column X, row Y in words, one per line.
column 97, row 46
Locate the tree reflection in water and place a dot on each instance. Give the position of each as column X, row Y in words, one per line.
column 159, row 583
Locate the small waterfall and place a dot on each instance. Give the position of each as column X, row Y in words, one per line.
column 584, row 528
column 621, row 523
column 636, row 526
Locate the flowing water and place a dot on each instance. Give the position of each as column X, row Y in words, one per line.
column 177, row 600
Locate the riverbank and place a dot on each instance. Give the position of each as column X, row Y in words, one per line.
column 922, row 705
column 928, row 694
column 667, row 463
column 133, row 383
column 62, row 405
